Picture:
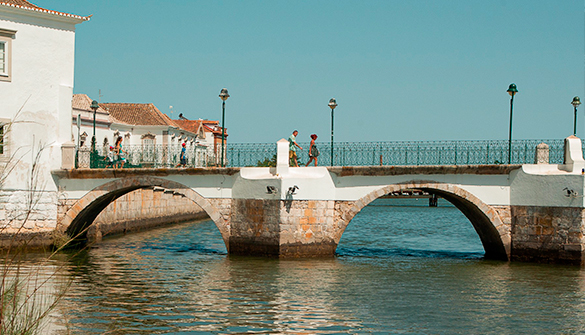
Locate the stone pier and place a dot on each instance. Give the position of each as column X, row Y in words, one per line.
column 283, row 228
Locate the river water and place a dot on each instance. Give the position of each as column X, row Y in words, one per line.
column 401, row 268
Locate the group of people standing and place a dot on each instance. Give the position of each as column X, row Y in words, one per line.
column 292, row 151
column 116, row 156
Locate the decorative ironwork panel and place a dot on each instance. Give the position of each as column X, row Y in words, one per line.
column 344, row 154
column 250, row 154
column 152, row 156
column 402, row 153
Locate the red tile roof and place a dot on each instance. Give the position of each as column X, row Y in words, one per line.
column 23, row 4
column 138, row 114
column 214, row 129
column 193, row 126
column 188, row 125
column 82, row 102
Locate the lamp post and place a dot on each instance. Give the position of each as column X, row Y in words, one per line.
column 332, row 105
column 223, row 95
column 576, row 102
column 512, row 90
column 94, row 106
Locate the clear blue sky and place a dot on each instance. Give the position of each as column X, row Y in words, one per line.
column 400, row 70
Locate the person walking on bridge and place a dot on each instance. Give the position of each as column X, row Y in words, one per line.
column 183, row 157
column 120, row 153
column 313, row 151
column 292, row 148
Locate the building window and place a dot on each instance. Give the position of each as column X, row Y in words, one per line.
column 4, row 139
column 2, row 126
column 82, row 139
column 6, row 37
column 147, row 142
column 148, row 149
column 3, row 57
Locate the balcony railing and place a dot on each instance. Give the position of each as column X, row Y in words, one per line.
column 344, row 154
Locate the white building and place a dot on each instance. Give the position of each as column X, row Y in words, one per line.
column 150, row 137
column 81, row 108
column 37, row 49
column 209, row 134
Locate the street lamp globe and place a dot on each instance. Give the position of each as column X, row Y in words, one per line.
column 576, row 102
column 512, row 90
column 224, row 94
column 332, row 103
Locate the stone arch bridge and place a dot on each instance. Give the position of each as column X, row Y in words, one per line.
column 526, row 213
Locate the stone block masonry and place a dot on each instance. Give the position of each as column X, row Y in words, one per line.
column 143, row 209
column 282, row 228
column 548, row 234
column 307, row 228
column 255, row 227
column 27, row 217
column 138, row 210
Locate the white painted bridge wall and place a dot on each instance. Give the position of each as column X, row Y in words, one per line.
column 521, row 187
column 531, row 185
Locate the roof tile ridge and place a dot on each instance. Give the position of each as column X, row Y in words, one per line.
column 35, row 8
column 116, row 120
column 161, row 116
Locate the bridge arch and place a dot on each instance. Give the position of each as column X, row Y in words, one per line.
column 85, row 210
column 494, row 233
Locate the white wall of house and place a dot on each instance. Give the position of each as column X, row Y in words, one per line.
column 36, row 96
column 102, row 128
column 36, row 87
column 135, row 134
column 139, row 136
column 207, row 141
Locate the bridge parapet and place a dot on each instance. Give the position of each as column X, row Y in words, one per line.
column 396, row 153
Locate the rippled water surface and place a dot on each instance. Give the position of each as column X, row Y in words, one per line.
column 399, row 269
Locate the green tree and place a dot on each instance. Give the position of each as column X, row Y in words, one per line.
column 267, row 162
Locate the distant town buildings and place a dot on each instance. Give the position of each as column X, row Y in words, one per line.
column 208, row 135
column 150, row 136
column 39, row 109
column 81, row 109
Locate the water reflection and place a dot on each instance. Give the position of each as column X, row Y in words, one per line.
column 398, row 270
column 262, row 295
column 127, row 289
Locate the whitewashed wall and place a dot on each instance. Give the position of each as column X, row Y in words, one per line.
column 41, row 87
column 102, row 128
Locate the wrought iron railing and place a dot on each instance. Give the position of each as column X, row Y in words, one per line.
column 138, row 156
column 344, row 154
column 401, row 153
